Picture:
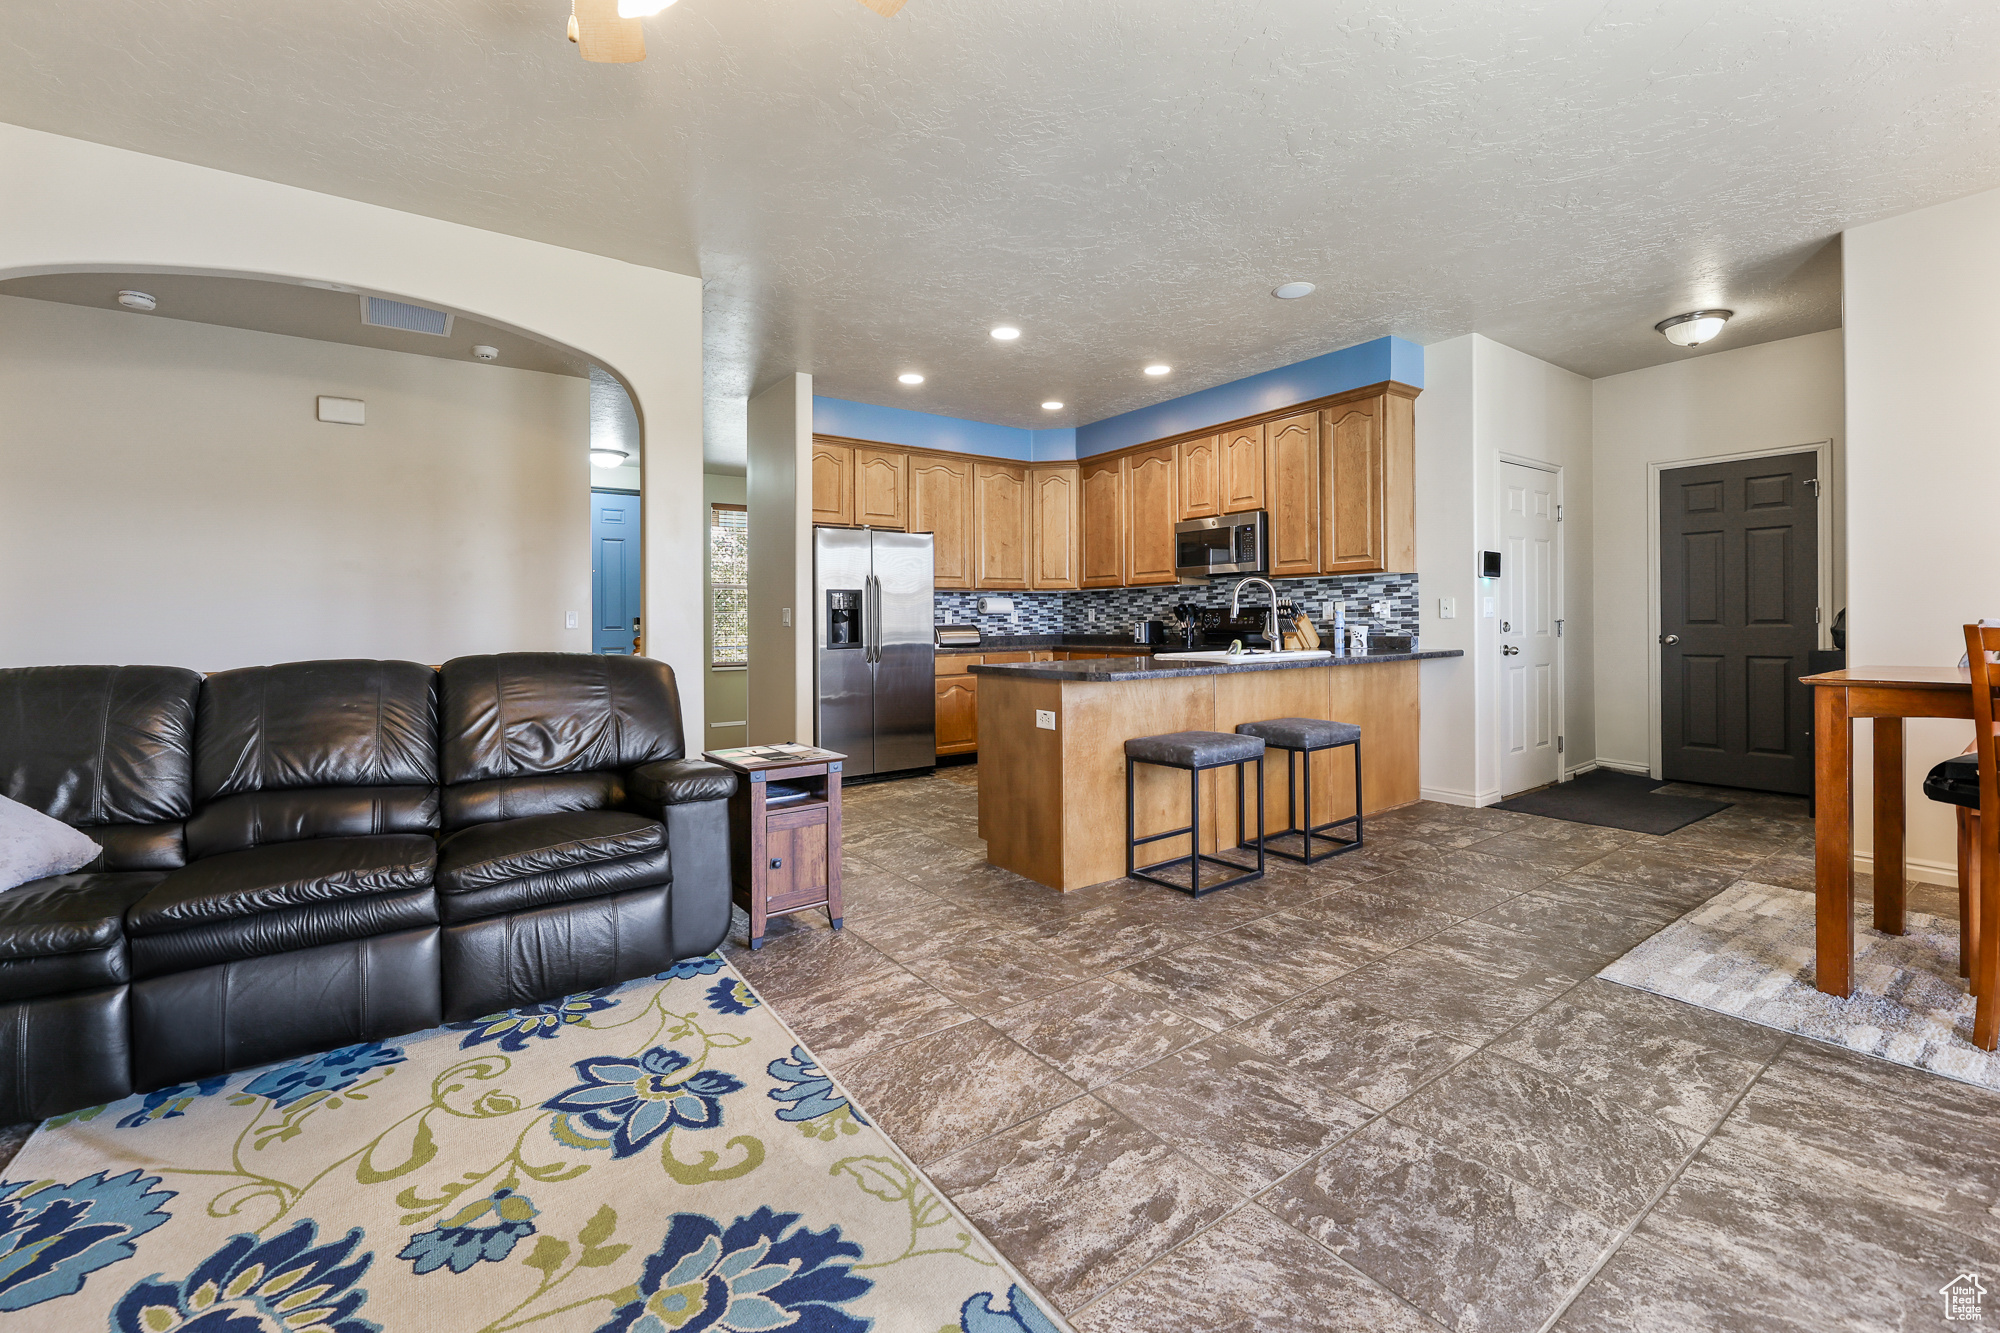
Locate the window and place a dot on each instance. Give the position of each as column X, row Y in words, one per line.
column 728, row 585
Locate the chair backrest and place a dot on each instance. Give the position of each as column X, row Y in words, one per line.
column 539, row 733
column 314, row 750
column 1982, row 640
column 107, row 749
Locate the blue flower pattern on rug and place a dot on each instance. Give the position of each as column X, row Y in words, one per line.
column 625, row 1104
column 728, row 996
column 286, row 1282
column 54, row 1236
column 811, row 1093
column 459, row 1241
column 1022, row 1315
column 690, row 967
column 171, row 1103
column 292, row 1083
column 516, row 1027
column 761, row 1272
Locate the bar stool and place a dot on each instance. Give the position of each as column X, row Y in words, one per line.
column 1196, row 752
column 1308, row 736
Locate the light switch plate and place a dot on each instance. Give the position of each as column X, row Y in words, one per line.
column 1447, row 608
column 1045, row 718
column 1487, row 609
column 569, row 620
column 787, row 615
column 1330, row 609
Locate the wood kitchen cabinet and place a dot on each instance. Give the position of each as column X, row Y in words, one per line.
column 999, row 526
column 1201, row 477
column 880, row 499
column 1241, row 469
column 1152, row 507
column 957, row 714
column 1102, row 544
column 1052, row 527
column 1368, row 513
column 833, row 484
column 940, row 503
column 1291, row 495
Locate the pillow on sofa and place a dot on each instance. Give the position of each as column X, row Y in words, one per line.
column 33, row 846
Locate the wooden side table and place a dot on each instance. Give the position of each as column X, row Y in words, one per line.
column 784, row 844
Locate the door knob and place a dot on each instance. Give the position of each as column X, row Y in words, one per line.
column 1509, row 650
column 1670, row 638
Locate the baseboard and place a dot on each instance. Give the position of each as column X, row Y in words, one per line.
column 1578, row 770
column 1925, row 872
column 1622, row 766
column 1446, row 796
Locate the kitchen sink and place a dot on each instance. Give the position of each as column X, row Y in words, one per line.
column 1248, row 655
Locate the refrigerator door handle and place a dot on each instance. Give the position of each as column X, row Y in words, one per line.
column 874, row 614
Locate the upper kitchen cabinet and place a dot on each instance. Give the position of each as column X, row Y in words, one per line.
column 1368, row 512
column 999, row 526
column 940, row 503
column 1291, row 495
column 1102, row 547
column 833, row 484
column 1052, row 527
column 880, row 499
column 1241, row 483
column 1201, row 477
column 1152, row 508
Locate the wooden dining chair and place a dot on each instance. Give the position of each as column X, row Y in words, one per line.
column 1955, row 782
column 1982, row 640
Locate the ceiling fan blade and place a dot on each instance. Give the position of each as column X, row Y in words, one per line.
column 604, row 37
column 886, row 8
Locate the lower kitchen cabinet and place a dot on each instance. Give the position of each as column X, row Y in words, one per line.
column 957, row 714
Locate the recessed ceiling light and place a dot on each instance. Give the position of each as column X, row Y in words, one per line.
column 1694, row 328
column 1292, row 291
column 1052, row 406
column 910, row 377
column 1006, row 333
column 1158, row 369
column 137, row 300
column 609, row 457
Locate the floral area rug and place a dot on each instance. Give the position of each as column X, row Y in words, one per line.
column 663, row 1155
column 1749, row 952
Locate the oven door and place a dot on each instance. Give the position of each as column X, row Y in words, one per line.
column 1205, row 547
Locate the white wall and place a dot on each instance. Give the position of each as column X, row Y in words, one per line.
column 1922, row 355
column 172, row 498
column 1449, row 748
column 779, row 430
column 1777, row 395
column 68, row 205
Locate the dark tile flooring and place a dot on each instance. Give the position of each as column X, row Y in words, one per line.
column 1386, row 1092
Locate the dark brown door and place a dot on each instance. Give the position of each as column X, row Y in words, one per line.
column 1739, row 593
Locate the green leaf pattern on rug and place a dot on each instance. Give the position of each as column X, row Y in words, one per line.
column 889, row 1180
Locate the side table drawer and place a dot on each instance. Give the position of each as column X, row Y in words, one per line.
column 795, row 858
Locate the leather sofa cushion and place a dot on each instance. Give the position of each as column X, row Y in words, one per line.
column 281, row 875
column 1955, row 781
column 571, row 884
column 255, row 818
column 517, row 714
column 316, row 724
column 268, row 934
column 100, row 745
column 137, row 846
column 543, row 794
column 674, row 781
column 486, row 855
column 66, row 933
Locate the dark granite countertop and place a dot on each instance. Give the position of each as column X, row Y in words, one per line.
column 1013, row 643
column 1152, row 668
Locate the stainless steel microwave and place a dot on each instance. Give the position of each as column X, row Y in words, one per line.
column 1231, row 544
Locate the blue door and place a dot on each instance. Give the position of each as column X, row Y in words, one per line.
column 614, row 570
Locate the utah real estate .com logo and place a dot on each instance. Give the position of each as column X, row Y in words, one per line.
column 1962, row 1296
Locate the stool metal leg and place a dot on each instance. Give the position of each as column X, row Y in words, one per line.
column 1194, row 833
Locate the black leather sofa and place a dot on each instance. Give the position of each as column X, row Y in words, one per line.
column 301, row 857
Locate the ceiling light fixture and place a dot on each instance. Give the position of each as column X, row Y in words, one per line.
column 137, row 300
column 909, row 377
column 1292, row 291
column 1006, row 333
column 609, row 457
column 641, row 9
column 1052, row 406
column 1158, row 369
column 1694, row 328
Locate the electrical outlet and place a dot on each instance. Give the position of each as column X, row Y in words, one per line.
column 1330, row 609
column 1045, row 718
column 569, row 620
column 1382, row 610
column 1447, row 608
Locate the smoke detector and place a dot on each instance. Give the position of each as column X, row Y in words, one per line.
column 137, row 300
column 485, row 353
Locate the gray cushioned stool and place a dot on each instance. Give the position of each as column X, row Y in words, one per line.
column 1308, row 736
column 1195, row 751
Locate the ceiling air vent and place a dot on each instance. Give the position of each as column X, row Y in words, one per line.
column 386, row 314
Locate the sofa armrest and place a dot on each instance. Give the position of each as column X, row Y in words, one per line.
column 669, row 782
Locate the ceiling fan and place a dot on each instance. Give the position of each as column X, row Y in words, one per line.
column 608, row 31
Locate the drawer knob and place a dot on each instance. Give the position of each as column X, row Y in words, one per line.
column 777, row 863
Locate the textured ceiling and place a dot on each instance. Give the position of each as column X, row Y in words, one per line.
column 1124, row 179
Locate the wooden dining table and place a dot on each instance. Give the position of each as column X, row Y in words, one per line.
column 1886, row 695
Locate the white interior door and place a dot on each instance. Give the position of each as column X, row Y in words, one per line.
column 1529, row 647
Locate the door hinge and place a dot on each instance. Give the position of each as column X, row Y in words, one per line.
column 1814, row 483
column 1815, row 615
column 1559, row 745
column 1559, row 629
column 1559, row 513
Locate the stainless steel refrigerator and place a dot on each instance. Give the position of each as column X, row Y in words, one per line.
column 873, row 648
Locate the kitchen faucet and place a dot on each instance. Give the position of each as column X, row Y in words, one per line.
column 1270, row 617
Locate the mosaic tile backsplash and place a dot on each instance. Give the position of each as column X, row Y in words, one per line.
column 1115, row 610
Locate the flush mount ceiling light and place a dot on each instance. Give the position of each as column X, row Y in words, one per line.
column 1292, row 291
column 1694, row 328
column 608, row 32
column 1052, row 406
column 1006, row 333
column 1158, row 369
column 609, row 457
column 137, row 300
column 909, row 377
column 641, row 9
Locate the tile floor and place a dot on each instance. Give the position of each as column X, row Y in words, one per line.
column 1385, row 1093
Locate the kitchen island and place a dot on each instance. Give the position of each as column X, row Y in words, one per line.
column 1052, row 801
